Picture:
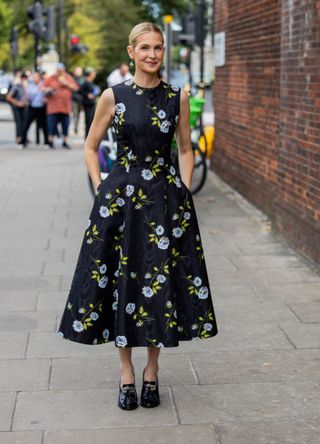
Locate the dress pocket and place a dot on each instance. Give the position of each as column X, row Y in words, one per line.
column 184, row 186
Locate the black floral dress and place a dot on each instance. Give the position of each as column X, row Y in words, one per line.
column 141, row 278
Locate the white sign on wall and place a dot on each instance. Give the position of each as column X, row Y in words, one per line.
column 219, row 48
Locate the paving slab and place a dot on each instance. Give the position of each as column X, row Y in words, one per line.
column 66, row 282
column 50, row 345
column 267, row 261
column 21, row 438
column 24, row 374
column 178, row 434
column 303, row 335
column 23, row 255
column 52, row 410
column 77, row 373
column 287, row 292
column 36, row 282
column 52, row 300
column 238, row 336
column 228, row 310
column 287, row 276
column 247, row 402
column 13, row 345
column 273, row 249
column 256, row 366
column 28, row 321
column 270, row 432
column 59, row 268
column 7, row 401
column 307, row 311
column 18, row 300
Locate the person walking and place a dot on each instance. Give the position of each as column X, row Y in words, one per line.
column 76, row 97
column 141, row 278
column 58, row 89
column 89, row 91
column 36, row 109
column 18, row 99
column 119, row 75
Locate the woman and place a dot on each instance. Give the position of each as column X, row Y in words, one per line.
column 18, row 99
column 141, row 278
column 89, row 91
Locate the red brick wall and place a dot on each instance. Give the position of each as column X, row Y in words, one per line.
column 267, row 111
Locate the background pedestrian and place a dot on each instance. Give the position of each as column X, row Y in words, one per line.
column 119, row 75
column 36, row 109
column 58, row 89
column 17, row 97
column 89, row 91
column 77, row 98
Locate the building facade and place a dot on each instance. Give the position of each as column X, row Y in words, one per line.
column 267, row 112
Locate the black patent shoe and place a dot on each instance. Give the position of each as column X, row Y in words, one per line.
column 128, row 398
column 149, row 393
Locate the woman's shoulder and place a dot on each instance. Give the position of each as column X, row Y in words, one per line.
column 171, row 86
column 122, row 85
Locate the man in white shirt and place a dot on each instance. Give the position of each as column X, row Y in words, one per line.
column 119, row 75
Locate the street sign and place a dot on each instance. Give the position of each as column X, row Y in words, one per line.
column 168, row 18
column 219, row 49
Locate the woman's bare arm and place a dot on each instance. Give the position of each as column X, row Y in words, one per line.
column 186, row 158
column 101, row 121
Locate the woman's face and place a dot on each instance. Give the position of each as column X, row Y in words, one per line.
column 148, row 52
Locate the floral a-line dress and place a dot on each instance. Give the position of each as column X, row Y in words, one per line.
column 141, row 277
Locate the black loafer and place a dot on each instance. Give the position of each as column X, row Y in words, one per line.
column 149, row 393
column 128, row 398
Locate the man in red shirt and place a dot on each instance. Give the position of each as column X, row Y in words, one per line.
column 58, row 89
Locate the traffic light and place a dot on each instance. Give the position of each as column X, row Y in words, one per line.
column 14, row 42
column 42, row 21
column 36, row 25
column 186, row 36
column 74, row 43
column 76, row 46
column 50, row 23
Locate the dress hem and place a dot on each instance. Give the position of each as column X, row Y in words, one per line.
column 191, row 339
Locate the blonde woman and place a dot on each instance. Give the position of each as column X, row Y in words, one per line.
column 141, row 278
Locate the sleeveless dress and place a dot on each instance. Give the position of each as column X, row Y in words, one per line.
column 141, row 277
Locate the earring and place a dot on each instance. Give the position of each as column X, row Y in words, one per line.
column 131, row 64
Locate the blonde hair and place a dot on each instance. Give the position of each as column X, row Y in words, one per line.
column 142, row 28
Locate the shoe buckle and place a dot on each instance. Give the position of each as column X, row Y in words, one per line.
column 150, row 386
column 128, row 389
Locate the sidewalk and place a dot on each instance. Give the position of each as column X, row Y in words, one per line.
column 256, row 382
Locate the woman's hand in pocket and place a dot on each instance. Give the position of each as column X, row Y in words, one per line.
column 97, row 187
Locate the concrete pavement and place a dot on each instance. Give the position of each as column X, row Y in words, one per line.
column 256, row 382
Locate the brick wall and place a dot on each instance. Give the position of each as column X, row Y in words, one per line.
column 267, row 112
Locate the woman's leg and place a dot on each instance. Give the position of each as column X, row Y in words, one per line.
column 126, row 366
column 152, row 367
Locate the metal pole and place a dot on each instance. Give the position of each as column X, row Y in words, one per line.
column 36, row 52
column 60, row 29
column 202, row 35
column 168, row 34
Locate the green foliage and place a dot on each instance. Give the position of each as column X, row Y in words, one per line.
column 103, row 25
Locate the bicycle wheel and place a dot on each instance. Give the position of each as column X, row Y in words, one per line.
column 198, row 134
column 200, row 169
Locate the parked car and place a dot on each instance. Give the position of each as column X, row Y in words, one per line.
column 5, row 81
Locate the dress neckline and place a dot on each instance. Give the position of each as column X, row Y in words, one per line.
column 145, row 88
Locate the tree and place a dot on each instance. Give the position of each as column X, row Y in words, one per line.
column 103, row 25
